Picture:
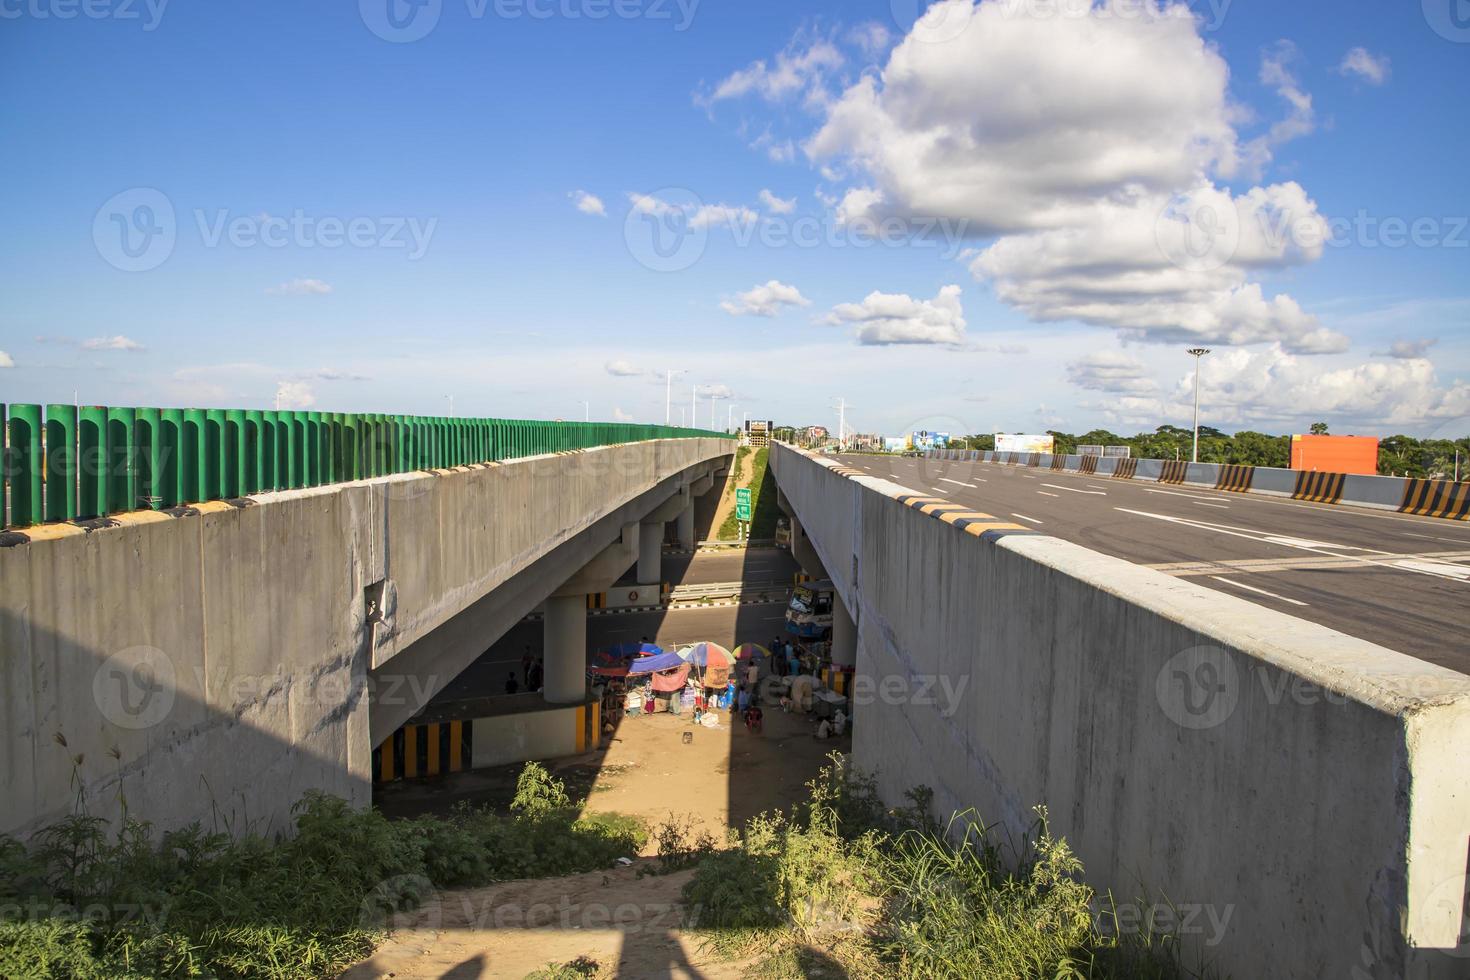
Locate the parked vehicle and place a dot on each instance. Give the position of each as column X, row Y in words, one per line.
column 809, row 613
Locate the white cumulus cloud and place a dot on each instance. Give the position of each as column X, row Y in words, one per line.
column 301, row 287
column 1370, row 68
column 589, row 203
column 295, row 395
column 766, row 300
column 1410, row 349
column 6, row 361
column 777, row 205
column 1111, row 371
column 800, row 70
column 623, row 369
column 117, row 342
column 897, row 318
column 1088, row 146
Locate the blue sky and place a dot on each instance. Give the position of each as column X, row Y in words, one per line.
column 1036, row 166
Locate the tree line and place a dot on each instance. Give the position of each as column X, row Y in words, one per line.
column 1397, row 455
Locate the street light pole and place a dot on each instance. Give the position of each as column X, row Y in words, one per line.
column 668, row 396
column 1198, row 353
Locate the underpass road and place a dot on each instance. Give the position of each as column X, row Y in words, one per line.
column 1399, row 581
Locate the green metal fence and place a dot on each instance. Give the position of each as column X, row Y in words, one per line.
column 67, row 464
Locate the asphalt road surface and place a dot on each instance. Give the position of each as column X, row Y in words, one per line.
column 1399, row 581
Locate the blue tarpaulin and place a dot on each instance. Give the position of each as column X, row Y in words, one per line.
column 624, row 651
column 660, row 661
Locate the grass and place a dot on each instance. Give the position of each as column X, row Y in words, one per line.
column 843, row 887
column 763, row 507
column 80, row 900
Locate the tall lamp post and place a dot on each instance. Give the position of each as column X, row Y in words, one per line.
column 1198, row 353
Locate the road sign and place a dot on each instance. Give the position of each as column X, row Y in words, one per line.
column 742, row 504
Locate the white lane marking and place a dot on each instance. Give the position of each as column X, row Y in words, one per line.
column 1025, row 518
column 945, row 479
column 1092, row 493
column 1252, row 588
column 1428, row 537
column 1176, row 493
column 1045, row 494
column 1314, row 547
column 1436, row 568
column 940, row 490
column 1203, row 504
column 1095, row 486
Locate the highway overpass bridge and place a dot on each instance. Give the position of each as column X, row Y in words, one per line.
column 214, row 659
column 1255, row 756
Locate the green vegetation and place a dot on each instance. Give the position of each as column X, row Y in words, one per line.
column 763, row 509
column 844, row 887
column 1397, row 455
column 78, row 902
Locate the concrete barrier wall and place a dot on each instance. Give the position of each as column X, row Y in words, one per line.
column 214, row 666
column 1299, row 795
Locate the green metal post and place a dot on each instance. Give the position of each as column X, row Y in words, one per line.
column 61, row 462
column 171, row 424
column 254, row 446
column 25, row 465
column 214, row 454
column 148, row 458
column 122, row 489
column 194, row 456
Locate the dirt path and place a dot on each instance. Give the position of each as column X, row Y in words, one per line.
column 727, row 496
column 630, row 926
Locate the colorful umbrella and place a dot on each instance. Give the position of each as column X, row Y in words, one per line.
column 747, row 651
column 708, row 655
column 627, row 651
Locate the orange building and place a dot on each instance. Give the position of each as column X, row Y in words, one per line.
column 1335, row 454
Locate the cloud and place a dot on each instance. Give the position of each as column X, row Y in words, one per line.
column 717, row 392
column 776, row 150
column 1409, row 349
column 621, row 416
column 295, row 395
column 1271, row 386
column 331, row 374
column 800, row 70
column 623, row 369
column 872, row 38
column 1111, row 371
column 589, row 203
column 777, row 205
column 888, row 318
column 117, row 342
column 300, row 287
column 6, row 361
column 1372, row 69
column 702, row 216
column 767, row 300
column 1088, row 147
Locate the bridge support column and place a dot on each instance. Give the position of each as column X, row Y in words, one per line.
column 565, row 638
column 650, row 553
column 564, row 626
column 803, row 552
column 686, row 525
column 844, row 634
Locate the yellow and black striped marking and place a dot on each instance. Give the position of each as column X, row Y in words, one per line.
column 970, row 521
column 1174, row 471
column 1059, row 462
column 424, row 750
column 597, row 600
column 847, row 471
column 1235, row 478
column 1437, row 498
column 1088, row 466
column 838, row 679
column 1127, row 469
column 1320, row 488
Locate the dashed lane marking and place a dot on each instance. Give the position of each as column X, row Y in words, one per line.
column 1045, row 494
column 1093, row 493
column 1252, row 588
column 945, row 479
column 1205, row 504
column 1025, row 518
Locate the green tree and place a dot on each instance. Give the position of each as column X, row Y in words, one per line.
column 1319, row 428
